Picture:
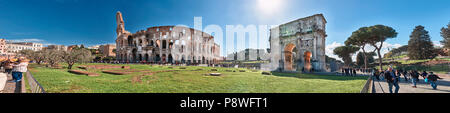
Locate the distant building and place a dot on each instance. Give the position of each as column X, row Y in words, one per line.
column 15, row 47
column 94, row 47
column 107, row 50
column 69, row 48
column 248, row 55
column 57, row 47
column 3, row 47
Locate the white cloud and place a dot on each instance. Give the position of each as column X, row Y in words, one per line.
column 437, row 44
column 329, row 50
column 27, row 40
column 34, row 40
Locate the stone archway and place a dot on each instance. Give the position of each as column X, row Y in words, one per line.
column 307, row 60
column 134, row 54
column 289, row 57
column 146, row 57
column 170, row 58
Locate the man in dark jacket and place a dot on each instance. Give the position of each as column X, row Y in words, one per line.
column 392, row 80
column 414, row 77
column 433, row 79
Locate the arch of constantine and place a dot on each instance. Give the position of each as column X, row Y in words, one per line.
column 299, row 45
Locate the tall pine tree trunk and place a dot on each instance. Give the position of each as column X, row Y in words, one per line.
column 380, row 59
column 365, row 57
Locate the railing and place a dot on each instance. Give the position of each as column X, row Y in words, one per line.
column 34, row 84
column 368, row 86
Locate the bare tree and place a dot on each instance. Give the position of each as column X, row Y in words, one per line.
column 73, row 56
column 53, row 57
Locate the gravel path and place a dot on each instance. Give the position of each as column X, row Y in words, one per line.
column 12, row 87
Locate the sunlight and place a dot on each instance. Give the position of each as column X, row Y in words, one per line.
column 269, row 7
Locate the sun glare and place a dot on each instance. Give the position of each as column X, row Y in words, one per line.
column 269, row 6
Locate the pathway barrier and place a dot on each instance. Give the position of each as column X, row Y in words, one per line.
column 34, row 84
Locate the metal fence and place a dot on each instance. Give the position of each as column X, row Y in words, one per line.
column 34, row 84
column 368, row 87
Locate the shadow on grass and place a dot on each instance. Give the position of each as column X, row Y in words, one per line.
column 316, row 76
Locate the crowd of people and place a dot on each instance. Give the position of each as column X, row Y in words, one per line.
column 352, row 71
column 393, row 77
column 14, row 66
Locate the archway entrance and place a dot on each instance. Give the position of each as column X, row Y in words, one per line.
column 170, row 58
column 307, row 60
column 289, row 52
column 134, row 55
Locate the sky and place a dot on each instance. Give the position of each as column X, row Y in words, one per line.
column 92, row 22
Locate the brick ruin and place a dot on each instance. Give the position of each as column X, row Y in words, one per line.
column 165, row 44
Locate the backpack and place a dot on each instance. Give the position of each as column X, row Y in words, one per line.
column 388, row 77
column 432, row 77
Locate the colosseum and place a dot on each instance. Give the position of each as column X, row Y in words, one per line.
column 165, row 45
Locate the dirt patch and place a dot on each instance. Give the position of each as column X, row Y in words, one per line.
column 136, row 79
column 79, row 72
column 116, row 72
column 103, row 67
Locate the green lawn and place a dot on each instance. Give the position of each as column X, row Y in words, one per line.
column 60, row 81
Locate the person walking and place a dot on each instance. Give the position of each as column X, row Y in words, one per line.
column 424, row 74
column 346, row 72
column 376, row 74
column 398, row 74
column 432, row 78
column 392, row 80
column 381, row 74
column 405, row 74
column 414, row 78
column 8, row 66
column 19, row 69
column 354, row 72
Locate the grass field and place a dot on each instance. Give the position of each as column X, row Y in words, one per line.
column 60, row 81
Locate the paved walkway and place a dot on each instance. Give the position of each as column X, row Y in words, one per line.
column 381, row 86
column 13, row 87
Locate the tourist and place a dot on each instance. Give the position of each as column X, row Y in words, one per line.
column 392, row 80
column 381, row 74
column 399, row 74
column 376, row 74
column 432, row 78
column 354, row 72
column 424, row 74
column 8, row 66
column 414, row 78
column 405, row 74
column 346, row 72
column 19, row 69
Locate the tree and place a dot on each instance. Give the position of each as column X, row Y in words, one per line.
column 76, row 56
column 360, row 38
column 27, row 53
column 53, row 57
column 345, row 52
column 396, row 51
column 445, row 33
column 37, row 56
column 420, row 45
column 377, row 35
column 362, row 59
